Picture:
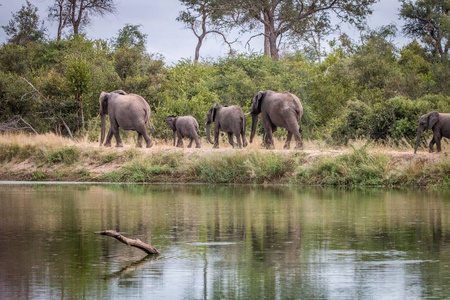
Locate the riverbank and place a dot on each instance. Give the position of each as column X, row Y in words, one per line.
column 50, row 158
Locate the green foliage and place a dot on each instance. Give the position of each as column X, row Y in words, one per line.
column 8, row 152
column 370, row 90
column 25, row 26
column 37, row 175
column 66, row 155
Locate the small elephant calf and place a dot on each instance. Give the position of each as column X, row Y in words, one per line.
column 439, row 123
column 183, row 126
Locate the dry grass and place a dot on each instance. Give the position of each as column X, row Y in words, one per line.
column 49, row 157
column 48, row 139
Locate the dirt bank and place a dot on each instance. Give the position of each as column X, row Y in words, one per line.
column 54, row 159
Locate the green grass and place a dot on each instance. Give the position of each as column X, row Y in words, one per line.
column 357, row 168
column 68, row 155
column 363, row 166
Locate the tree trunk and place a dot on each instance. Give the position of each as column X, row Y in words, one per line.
column 266, row 41
column 273, row 46
column 197, row 49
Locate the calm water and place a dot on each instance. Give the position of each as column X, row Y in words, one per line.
column 216, row 242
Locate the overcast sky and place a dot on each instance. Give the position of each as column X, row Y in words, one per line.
column 164, row 34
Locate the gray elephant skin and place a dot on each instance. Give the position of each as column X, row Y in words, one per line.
column 127, row 111
column 183, row 126
column 439, row 123
column 229, row 119
column 277, row 110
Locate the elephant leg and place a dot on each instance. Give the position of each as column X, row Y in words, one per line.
column 238, row 139
column 438, row 143
column 216, row 137
column 115, row 131
column 287, row 144
column 197, row 142
column 268, row 129
column 230, row 139
column 191, row 140
column 431, row 145
column 147, row 139
column 139, row 141
column 244, row 140
column 293, row 129
column 108, row 139
column 180, row 140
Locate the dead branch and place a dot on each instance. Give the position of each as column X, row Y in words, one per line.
column 35, row 89
column 67, row 128
column 149, row 249
column 13, row 125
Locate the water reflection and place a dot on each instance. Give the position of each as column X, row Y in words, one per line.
column 239, row 242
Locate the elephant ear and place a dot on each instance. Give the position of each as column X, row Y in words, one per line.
column 170, row 121
column 256, row 102
column 432, row 119
column 104, row 103
column 213, row 112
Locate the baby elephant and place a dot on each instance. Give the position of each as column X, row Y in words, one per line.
column 184, row 126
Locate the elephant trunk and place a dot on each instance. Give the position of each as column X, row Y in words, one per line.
column 208, row 135
column 102, row 137
column 254, row 123
column 419, row 133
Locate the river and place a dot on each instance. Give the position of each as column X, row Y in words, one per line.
column 223, row 242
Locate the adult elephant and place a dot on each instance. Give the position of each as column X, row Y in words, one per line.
column 439, row 123
column 183, row 126
column 278, row 110
column 229, row 119
column 127, row 111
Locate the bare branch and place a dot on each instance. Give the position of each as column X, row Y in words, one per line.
column 149, row 249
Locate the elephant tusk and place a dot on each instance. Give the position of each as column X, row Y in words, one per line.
column 247, row 114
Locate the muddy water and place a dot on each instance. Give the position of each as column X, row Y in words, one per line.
column 216, row 242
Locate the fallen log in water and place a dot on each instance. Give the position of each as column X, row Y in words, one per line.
column 149, row 249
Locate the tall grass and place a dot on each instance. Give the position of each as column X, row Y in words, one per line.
column 359, row 167
column 52, row 158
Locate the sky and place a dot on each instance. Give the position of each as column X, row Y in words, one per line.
column 167, row 36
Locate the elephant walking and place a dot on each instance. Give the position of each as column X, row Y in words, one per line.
column 229, row 119
column 183, row 126
column 439, row 123
column 127, row 111
column 278, row 110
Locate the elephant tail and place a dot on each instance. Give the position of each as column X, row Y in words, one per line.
column 147, row 122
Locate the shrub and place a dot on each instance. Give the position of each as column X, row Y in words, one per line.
column 67, row 155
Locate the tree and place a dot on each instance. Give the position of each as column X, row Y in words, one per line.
column 25, row 26
column 130, row 36
column 203, row 17
column 78, row 13
column 60, row 12
column 129, row 54
column 429, row 21
column 288, row 17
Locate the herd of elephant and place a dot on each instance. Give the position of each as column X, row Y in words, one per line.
column 132, row 112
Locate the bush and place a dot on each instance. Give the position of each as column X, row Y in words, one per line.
column 67, row 155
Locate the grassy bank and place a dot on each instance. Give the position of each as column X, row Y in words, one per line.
column 46, row 157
